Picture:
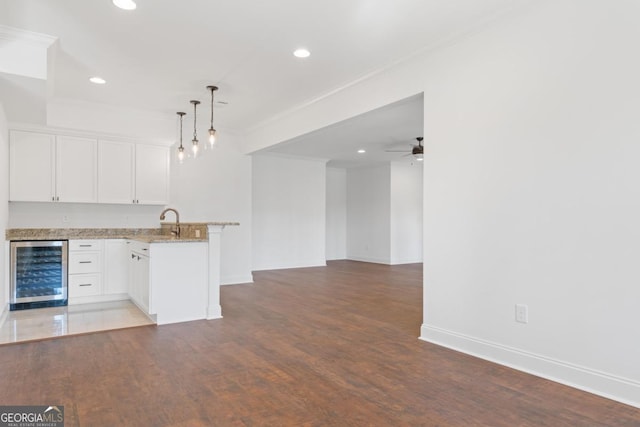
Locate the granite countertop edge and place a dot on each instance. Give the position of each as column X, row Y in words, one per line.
column 146, row 235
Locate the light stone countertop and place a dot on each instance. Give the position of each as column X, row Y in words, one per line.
column 147, row 235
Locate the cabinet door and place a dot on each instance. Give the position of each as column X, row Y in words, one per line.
column 32, row 166
column 115, row 267
column 115, row 172
column 152, row 174
column 76, row 169
column 143, row 266
column 139, row 280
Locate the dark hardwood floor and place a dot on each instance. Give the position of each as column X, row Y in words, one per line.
column 334, row 346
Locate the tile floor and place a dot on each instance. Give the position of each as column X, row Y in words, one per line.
column 42, row 323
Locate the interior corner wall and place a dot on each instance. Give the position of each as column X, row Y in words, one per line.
column 406, row 212
column 289, row 212
column 336, row 230
column 217, row 187
column 369, row 214
column 4, row 211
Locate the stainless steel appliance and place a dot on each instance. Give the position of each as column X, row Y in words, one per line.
column 38, row 274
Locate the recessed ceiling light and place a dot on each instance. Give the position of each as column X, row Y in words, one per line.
column 125, row 4
column 97, row 80
column 301, row 53
column 361, row 151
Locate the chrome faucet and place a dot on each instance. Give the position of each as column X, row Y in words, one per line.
column 174, row 231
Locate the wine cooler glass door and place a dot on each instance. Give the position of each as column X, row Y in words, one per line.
column 39, row 274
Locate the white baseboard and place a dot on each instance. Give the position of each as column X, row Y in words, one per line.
column 98, row 298
column 214, row 312
column 606, row 385
column 302, row 264
column 236, row 280
column 407, row 261
column 369, row 259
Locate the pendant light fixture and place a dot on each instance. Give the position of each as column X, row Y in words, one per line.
column 212, row 131
column 194, row 141
column 180, row 147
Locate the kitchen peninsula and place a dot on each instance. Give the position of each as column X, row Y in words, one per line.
column 171, row 279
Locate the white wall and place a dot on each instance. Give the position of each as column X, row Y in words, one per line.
column 531, row 191
column 406, row 212
column 149, row 126
column 288, row 212
column 336, row 229
column 217, row 187
column 532, row 195
column 4, row 212
column 369, row 214
column 384, row 213
column 80, row 215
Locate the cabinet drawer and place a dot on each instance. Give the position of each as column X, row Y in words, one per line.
column 84, row 262
column 85, row 245
column 84, row 285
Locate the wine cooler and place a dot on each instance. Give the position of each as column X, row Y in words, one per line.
column 38, row 274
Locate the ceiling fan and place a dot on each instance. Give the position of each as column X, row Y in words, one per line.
column 417, row 150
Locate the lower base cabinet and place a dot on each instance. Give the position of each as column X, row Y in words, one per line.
column 139, row 280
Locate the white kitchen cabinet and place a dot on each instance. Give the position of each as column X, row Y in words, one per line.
column 58, row 168
column 116, row 172
column 32, row 167
column 152, row 174
column 133, row 173
column 139, row 276
column 116, row 269
column 85, row 270
column 76, row 169
column 48, row 168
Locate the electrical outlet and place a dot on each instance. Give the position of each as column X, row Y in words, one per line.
column 197, row 233
column 522, row 313
column 65, row 218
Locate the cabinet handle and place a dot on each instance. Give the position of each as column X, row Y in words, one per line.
column 85, row 246
column 53, row 198
column 85, row 262
column 57, row 199
column 133, row 256
column 85, row 284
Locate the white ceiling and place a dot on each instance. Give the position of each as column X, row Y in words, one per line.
column 164, row 53
column 393, row 127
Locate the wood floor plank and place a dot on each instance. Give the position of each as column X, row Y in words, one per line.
column 326, row 346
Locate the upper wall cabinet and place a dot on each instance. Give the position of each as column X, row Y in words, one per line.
column 115, row 172
column 133, row 173
column 56, row 168
column 45, row 167
column 32, row 167
column 76, row 169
